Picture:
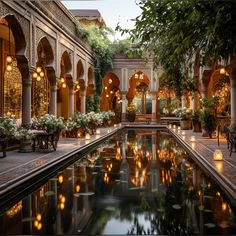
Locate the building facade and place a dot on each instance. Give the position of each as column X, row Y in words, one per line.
column 45, row 66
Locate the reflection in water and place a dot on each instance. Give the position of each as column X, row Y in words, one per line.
column 137, row 182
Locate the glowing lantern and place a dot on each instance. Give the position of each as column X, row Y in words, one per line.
column 9, row 59
column 218, row 156
column 9, row 67
column 60, row 179
column 38, row 69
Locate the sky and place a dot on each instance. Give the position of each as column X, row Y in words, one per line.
column 112, row 11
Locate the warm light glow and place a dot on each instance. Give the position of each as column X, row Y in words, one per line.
column 87, row 136
column 35, row 75
column 62, row 80
column 39, row 217
column 169, row 126
column 77, row 188
column 63, row 199
column 38, row 69
column 105, row 88
column 224, row 206
column 111, row 92
column 77, row 86
column 219, row 166
column 9, row 67
column 107, row 96
column 38, row 78
column 183, row 133
column 222, row 71
column 193, row 139
column 110, row 81
column 218, row 156
column 62, row 206
column 36, row 223
column 39, row 226
column 9, row 59
column 98, row 131
column 60, row 179
column 41, row 74
column 136, row 76
column 64, row 85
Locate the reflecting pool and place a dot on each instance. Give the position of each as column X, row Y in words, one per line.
column 136, row 182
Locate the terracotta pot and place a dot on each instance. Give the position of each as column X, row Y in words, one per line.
column 185, row 124
column 131, row 116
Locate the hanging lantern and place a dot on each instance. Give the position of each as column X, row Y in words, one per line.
column 9, row 59
column 35, row 75
column 62, row 80
column 38, row 78
column 77, row 86
column 41, row 74
column 9, row 67
column 38, row 69
column 64, row 85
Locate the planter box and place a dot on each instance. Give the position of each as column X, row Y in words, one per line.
column 185, row 124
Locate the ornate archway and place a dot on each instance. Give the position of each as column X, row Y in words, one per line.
column 64, row 85
column 110, row 96
column 43, row 78
column 139, row 93
column 79, row 87
column 14, row 68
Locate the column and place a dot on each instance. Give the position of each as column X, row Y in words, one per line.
column 123, row 108
column 233, row 95
column 154, row 107
column 183, row 101
column 206, row 76
column 195, row 101
column 26, row 101
column 53, row 101
column 83, row 101
column 71, row 101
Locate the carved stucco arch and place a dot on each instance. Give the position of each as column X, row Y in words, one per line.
column 23, row 24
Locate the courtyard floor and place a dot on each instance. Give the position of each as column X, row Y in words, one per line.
column 17, row 167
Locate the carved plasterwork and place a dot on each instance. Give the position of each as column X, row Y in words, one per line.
column 51, row 9
column 24, row 23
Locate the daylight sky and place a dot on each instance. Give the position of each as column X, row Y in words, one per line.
column 113, row 11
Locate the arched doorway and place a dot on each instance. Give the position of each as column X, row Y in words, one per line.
column 110, row 96
column 139, row 93
column 79, row 87
column 42, row 78
column 90, row 91
column 64, row 86
column 13, row 69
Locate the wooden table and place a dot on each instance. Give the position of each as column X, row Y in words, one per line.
column 43, row 140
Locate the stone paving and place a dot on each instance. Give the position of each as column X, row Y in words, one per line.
column 19, row 166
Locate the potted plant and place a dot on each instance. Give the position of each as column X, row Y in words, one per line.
column 8, row 130
column 185, row 118
column 51, row 124
column 209, row 122
column 196, row 121
column 131, row 112
column 25, row 137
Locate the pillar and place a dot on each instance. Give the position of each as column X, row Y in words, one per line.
column 71, row 101
column 154, row 106
column 123, row 108
column 206, row 76
column 233, row 95
column 83, row 101
column 183, row 102
column 26, row 101
column 53, row 101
